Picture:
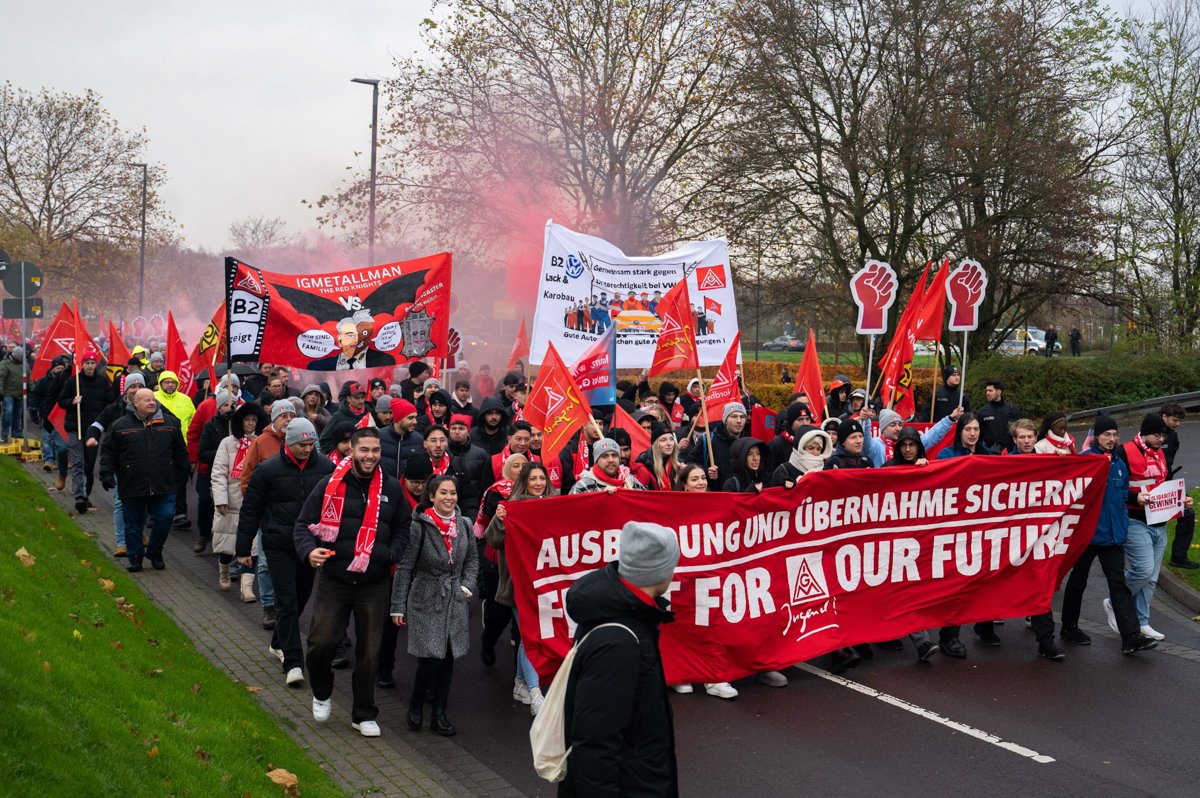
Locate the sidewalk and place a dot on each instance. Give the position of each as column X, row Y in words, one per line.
column 230, row 634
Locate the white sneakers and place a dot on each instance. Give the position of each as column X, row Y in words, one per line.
column 772, row 679
column 294, row 678
column 721, row 690
column 321, row 709
column 521, row 692
column 368, row 728
column 1112, row 617
column 275, row 652
column 536, row 699
column 1150, row 632
column 683, row 689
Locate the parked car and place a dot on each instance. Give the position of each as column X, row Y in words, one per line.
column 784, row 343
column 1026, row 341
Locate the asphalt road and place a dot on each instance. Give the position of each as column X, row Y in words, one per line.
column 1001, row 722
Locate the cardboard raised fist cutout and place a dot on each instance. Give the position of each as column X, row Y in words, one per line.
column 966, row 288
column 874, row 290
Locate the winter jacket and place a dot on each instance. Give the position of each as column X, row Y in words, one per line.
column 470, row 464
column 994, row 419
column 1113, row 524
column 268, row 444
column 145, row 457
column 843, row 459
column 344, row 419
column 96, row 393
column 618, row 720
column 741, row 479
column 227, row 492
column 495, row 535
column 588, row 483
column 643, row 471
column 492, row 443
column 722, row 443
column 11, row 377
column 946, row 399
column 395, row 451
column 391, row 534
column 428, row 588
column 276, row 493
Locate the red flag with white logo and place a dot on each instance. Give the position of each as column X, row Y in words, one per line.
column 520, row 347
column 639, row 439
column 177, row 358
column 556, row 406
column 724, row 388
column 676, row 346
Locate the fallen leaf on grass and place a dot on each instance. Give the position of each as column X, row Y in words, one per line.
column 155, row 672
column 196, row 688
column 46, row 667
column 40, row 509
column 86, row 563
column 75, row 633
column 153, row 752
column 201, row 754
column 286, row 780
column 117, row 644
column 253, row 689
column 150, row 641
column 27, row 635
column 25, row 557
column 107, row 585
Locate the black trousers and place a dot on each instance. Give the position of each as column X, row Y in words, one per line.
column 1043, row 627
column 333, row 604
column 293, row 581
column 390, row 637
column 1112, row 562
column 181, row 495
column 204, row 504
column 1185, row 530
column 496, row 616
column 434, row 673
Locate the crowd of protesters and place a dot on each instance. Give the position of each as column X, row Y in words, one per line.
column 386, row 502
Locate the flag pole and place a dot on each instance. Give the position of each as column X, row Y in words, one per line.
column 962, row 382
column 712, row 460
column 596, row 425
column 937, row 349
column 870, row 362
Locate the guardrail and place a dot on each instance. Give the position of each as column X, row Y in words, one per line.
column 1188, row 400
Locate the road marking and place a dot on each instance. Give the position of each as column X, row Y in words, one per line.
column 927, row 714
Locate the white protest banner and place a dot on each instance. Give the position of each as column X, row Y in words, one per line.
column 1165, row 502
column 588, row 285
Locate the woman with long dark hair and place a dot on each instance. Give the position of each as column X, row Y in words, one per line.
column 532, row 483
column 967, row 440
column 434, row 581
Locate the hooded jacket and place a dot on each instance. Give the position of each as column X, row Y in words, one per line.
column 741, row 478
column 617, row 718
column 338, row 423
column 907, row 434
column 1113, row 525
column 178, row 402
column 800, row 462
column 493, row 444
column 96, row 392
column 423, row 420
column 876, row 448
column 12, row 376
column 722, row 443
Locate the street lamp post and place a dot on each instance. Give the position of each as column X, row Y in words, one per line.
column 142, row 258
column 374, row 84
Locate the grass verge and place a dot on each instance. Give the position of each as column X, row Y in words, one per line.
column 1191, row 576
column 105, row 694
column 849, row 357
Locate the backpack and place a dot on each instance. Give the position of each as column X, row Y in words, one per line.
column 548, row 735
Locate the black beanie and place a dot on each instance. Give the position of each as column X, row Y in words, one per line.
column 1153, row 424
column 417, row 368
column 848, row 428
column 657, row 430
column 948, row 371
column 418, row 466
column 1103, row 424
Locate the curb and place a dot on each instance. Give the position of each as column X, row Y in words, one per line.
column 1179, row 590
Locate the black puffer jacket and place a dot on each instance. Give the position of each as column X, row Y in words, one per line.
column 391, row 536
column 843, row 459
column 96, row 392
column 395, row 451
column 618, row 720
column 278, row 489
column 472, row 467
column 147, row 458
column 722, row 443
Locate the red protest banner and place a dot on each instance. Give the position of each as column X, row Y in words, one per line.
column 178, row 359
column 769, row 580
column 357, row 319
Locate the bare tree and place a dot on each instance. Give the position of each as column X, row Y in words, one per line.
column 257, row 232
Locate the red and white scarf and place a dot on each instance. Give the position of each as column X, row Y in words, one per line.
column 1066, row 442
column 331, row 515
column 579, row 463
column 618, row 481
column 440, row 467
column 239, row 456
column 448, row 527
column 501, row 486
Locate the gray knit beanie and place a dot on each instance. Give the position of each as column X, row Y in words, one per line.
column 648, row 554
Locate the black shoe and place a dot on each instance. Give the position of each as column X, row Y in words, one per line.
column 987, row 635
column 340, row 662
column 200, row 545
column 135, row 565
column 844, row 659
column 181, row 522
column 386, row 681
column 1073, row 634
column 1051, row 651
column 156, row 560
column 268, row 622
column 1139, row 643
column 81, row 506
column 416, row 716
column 891, row 645
column 441, row 724
column 488, row 655
column 90, row 506
column 926, row 650
column 864, row 651
column 1187, row 564
column 953, row 648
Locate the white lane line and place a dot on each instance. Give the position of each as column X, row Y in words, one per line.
column 928, row 714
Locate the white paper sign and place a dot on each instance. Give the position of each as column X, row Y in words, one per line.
column 588, row 285
column 1165, row 502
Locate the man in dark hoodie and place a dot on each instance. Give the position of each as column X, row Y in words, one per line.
column 418, row 372
column 618, row 724
column 781, row 446
column 351, row 410
column 733, row 426
column 491, row 431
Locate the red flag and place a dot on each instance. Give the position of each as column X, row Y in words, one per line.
column 676, row 346
column 177, row 358
column 81, row 341
column 932, row 312
column 910, row 310
column 364, row 422
column 712, row 306
column 211, row 348
column 59, row 340
column 724, row 388
column 762, row 422
column 58, row 420
column 556, row 406
column 808, row 379
column 520, row 347
column 639, row 439
column 118, row 352
column 896, row 375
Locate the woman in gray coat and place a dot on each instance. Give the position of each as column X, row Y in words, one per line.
column 434, row 581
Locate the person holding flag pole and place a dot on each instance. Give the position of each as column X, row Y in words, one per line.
column 87, row 395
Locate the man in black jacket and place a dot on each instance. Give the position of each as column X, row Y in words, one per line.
column 401, row 440
column 277, row 490
column 144, row 452
column 43, row 399
column 354, row 553
column 349, row 413
column 471, row 466
column 946, row 398
column 732, row 427
column 83, row 406
column 1185, row 528
column 619, row 729
column 995, row 417
column 490, row 432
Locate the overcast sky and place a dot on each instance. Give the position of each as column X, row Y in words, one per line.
column 247, row 104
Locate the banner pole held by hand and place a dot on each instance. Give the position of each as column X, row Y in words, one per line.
column 712, row 460
column 595, row 425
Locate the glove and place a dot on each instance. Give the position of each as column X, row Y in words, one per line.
column 108, row 484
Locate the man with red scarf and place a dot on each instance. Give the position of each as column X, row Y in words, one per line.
column 519, row 437
column 352, row 530
column 607, row 474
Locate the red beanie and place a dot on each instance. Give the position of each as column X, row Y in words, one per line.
column 402, row 408
column 460, row 418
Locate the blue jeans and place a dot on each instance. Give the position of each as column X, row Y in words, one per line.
column 13, row 423
column 118, row 516
column 162, row 511
column 1144, row 549
column 525, row 669
column 266, row 588
column 54, row 450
